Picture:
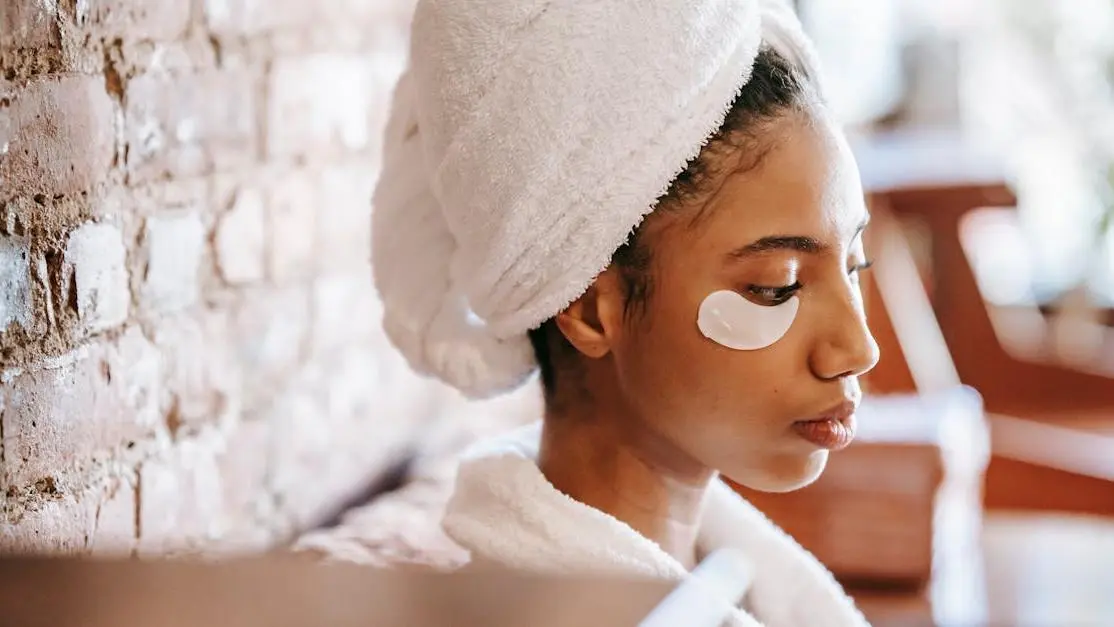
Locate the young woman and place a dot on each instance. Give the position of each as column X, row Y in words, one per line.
column 685, row 149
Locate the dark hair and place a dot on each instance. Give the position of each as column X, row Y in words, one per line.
column 775, row 88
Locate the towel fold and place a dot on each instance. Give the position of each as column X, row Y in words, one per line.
column 503, row 510
column 527, row 139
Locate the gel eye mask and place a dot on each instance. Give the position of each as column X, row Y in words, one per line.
column 728, row 318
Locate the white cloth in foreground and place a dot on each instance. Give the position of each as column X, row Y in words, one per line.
column 504, row 511
column 526, row 140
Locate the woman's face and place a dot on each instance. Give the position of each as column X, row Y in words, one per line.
column 795, row 220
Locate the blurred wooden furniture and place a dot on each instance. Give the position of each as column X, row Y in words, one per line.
column 936, row 181
column 913, row 355
column 1030, row 569
column 1042, row 414
column 1054, row 463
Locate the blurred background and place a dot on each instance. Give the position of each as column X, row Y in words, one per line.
column 190, row 354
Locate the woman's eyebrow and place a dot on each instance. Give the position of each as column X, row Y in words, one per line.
column 800, row 243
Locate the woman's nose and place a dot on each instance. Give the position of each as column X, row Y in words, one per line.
column 845, row 346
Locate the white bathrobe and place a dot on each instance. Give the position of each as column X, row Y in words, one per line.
column 503, row 510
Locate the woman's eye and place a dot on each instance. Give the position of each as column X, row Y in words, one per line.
column 772, row 296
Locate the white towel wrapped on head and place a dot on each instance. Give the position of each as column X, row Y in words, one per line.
column 527, row 139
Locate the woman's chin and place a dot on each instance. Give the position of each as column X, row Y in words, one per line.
column 784, row 474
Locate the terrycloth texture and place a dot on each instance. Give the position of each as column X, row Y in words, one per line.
column 503, row 510
column 526, row 140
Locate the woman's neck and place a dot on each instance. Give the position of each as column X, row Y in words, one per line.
column 631, row 474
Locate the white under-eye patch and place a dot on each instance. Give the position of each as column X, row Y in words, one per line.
column 728, row 318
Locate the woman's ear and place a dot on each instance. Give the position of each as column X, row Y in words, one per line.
column 593, row 321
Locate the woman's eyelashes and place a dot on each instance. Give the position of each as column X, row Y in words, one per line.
column 773, row 295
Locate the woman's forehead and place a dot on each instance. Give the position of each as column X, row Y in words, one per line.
column 807, row 184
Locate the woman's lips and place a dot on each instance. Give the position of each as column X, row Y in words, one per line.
column 833, row 431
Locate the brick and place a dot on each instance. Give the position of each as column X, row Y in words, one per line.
column 160, row 503
column 7, row 126
column 254, row 17
column 174, row 243
column 241, row 239
column 60, row 515
column 346, row 311
column 234, row 18
column 328, row 448
column 61, row 136
column 54, row 524
column 15, row 277
column 244, row 467
column 322, row 103
column 102, row 398
column 158, row 20
column 184, row 125
column 347, row 392
column 47, row 424
column 381, row 400
column 394, row 15
column 344, row 217
column 302, row 450
column 293, row 206
column 114, row 528
column 340, row 430
column 134, row 370
column 28, row 24
column 98, row 258
column 180, row 497
column 270, row 333
column 202, row 377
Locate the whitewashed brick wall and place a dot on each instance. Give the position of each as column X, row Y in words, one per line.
column 190, row 352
